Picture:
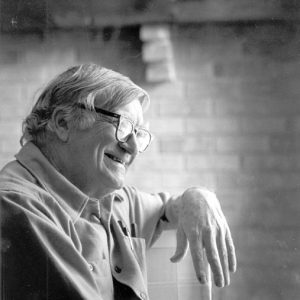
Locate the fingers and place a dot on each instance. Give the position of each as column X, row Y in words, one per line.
column 223, row 256
column 227, row 251
column 182, row 246
column 231, row 251
column 198, row 257
column 208, row 294
column 213, row 257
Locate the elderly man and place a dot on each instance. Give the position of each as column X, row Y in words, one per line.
column 70, row 228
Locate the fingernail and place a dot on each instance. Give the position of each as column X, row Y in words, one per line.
column 220, row 282
column 202, row 278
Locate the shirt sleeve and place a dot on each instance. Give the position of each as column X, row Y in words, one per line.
column 38, row 259
column 148, row 212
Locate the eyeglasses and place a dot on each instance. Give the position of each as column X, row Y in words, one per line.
column 125, row 128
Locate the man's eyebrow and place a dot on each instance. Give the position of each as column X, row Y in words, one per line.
column 136, row 122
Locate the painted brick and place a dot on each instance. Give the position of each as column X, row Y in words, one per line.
column 173, row 107
column 211, row 125
column 161, row 291
column 190, row 72
column 184, row 107
column 236, row 95
column 150, row 181
column 244, row 209
column 175, row 89
column 251, row 281
column 257, row 106
column 164, row 270
column 157, row 51
column 9, row 129
column 269, row 40
column 168, row 162
column 201, row 107
column 198, row 144
column 236, row 125
column 212, row 88
column 271, row 162
column 249, row 219
column 263, row 125
column 264, row 181
column 168, row 126
column 250, row 69
column 275, row 257
column 161, row 71
column 296, row 124
column 189, row 144
column 7, row 110
column 72, row 19
column 201, row 52
column 9, row 57
column 211, row 162
column 9, row 145
column 9, row 95
column 244, row 144
column 172, row 145
column 285, row 143
column 50, row 56
column 191, row 292
column 20, row 42
column 288, row 277
column 154, row 32
column 18, row 74
column 271, row 239
column 186, row 179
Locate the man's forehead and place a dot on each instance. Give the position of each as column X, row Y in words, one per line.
column 133, row 111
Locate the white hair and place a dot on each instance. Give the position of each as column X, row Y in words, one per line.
column 79, row 85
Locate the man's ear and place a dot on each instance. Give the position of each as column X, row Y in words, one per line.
column 60, row 125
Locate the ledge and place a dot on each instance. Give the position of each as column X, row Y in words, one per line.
column 66, row 14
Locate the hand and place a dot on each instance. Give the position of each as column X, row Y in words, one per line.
column 203, row 227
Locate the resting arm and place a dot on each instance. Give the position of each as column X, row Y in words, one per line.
column 201, row 225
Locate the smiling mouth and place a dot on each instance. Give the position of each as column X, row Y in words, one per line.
column 114, row 158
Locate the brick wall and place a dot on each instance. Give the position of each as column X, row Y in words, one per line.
column 230, row 121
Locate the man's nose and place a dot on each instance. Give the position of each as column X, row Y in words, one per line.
column 131, row 146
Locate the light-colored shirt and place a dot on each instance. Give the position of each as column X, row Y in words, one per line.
column 85, row 248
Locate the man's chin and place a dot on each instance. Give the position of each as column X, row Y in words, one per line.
column 114, row 179
column 118, row 183
column 119, row 186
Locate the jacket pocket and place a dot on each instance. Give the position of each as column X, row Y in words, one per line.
column 139, row 250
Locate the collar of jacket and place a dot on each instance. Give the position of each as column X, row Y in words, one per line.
column 68, row 195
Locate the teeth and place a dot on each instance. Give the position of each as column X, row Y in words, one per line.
column 115, row 159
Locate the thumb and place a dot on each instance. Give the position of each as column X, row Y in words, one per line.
column 182, row 245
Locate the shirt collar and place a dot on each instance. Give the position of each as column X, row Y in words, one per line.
column 118, row 196
column 68, row 195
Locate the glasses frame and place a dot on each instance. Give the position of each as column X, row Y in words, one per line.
column 118, row 117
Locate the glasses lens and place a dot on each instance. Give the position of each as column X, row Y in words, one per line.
column 143, row 139
column 124, row 130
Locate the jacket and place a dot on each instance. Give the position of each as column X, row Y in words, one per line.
column 57, row 243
